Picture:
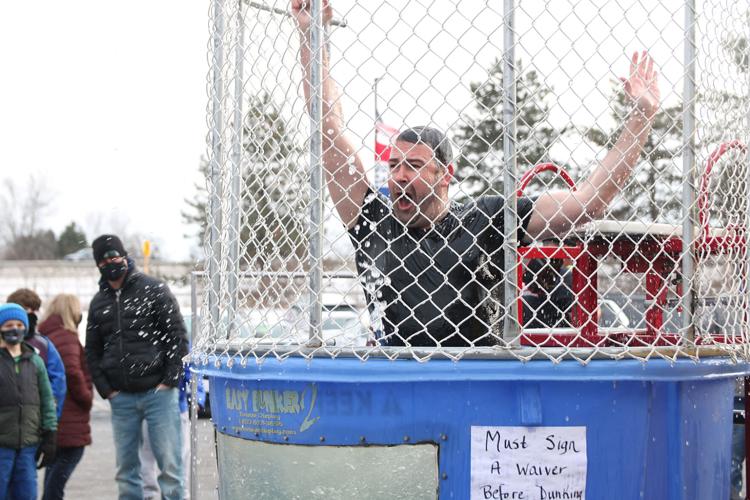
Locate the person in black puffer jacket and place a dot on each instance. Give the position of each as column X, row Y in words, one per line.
column 135, row 342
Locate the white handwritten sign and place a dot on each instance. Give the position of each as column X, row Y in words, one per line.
column 528, row 463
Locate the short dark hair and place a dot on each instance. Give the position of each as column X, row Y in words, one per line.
column 432, row 137
column 25, row 298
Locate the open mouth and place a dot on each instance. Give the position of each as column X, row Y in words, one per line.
column 404, row 201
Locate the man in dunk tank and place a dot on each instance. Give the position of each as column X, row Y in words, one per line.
column 432, row 254
column 430, row 250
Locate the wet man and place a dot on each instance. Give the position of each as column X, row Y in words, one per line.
column 135, row 342
column 437, row 260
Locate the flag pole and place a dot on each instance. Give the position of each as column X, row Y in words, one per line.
column 381, row 171
column 376, row 313
column 375, row 93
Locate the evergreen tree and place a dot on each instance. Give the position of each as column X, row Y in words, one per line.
column 722, row 104
column 274, row 200
column 653, row 192
column 195, row 214
column 273, row 203
column 480, row 166
column 71, row 239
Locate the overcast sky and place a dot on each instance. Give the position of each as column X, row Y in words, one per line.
column 106, row 101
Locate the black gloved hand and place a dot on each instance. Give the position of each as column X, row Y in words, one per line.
column 45, row 454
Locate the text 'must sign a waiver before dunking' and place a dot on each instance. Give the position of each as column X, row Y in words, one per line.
column 528, row 463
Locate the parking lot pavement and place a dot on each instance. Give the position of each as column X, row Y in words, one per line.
column 94, row 478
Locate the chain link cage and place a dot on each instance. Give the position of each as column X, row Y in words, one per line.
column 445, row 178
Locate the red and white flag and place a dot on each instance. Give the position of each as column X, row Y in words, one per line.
column 384, row 134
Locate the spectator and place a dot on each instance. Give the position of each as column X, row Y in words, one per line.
column 30, row 301
column 60, row 326
column 148, row 461
column 135, row 342
column 738, row 441
column 27, row 414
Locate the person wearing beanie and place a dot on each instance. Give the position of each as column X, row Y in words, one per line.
column 107, row 245
column 135, row 342
column 27, row 409
column 30, row 301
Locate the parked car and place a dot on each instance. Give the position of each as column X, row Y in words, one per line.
column 712, row 315
column 343, row 325
column 84, row 254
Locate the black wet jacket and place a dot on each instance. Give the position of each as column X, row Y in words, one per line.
column 135, row 336
column 435, row 285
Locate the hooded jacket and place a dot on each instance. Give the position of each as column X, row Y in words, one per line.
column 74, row 428
column 135, row 336
column 54, row 364
column 27, row 406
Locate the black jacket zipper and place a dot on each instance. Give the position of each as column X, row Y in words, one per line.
column 119, row 333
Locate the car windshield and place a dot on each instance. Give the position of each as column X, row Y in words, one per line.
column 341, row 324
column 333, row 325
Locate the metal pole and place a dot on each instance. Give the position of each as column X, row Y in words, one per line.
column 316, row 169
column 746, row 282
column 509, row 182
column 746, row 424
column 233, row 252
column 380, row 173
column 290, row 275
column 215, row 162
column 375, row 92
column 193, row 390
column 688, row 165
column 276, row 10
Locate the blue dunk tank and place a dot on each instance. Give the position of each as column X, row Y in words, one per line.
column 474, row 429
column 601, row 408
column 607, row 364
column 597, row 411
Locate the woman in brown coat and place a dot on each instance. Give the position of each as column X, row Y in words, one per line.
column 74, row 430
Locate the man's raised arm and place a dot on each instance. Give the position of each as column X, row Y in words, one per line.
column 555, row 213
column 345, row 175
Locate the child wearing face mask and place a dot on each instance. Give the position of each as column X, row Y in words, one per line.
column 28, row 422
column 31, row 302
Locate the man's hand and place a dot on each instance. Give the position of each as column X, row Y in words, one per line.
column 555, row 212
column 642, row 87
column 112, row 394
column 301, row 12
column 162, row 387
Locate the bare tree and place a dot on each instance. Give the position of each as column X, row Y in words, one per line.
column 118, row 223
column 24, row 206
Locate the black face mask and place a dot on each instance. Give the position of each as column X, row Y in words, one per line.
column 14, row 336
column 114, row 270
column 32, row 326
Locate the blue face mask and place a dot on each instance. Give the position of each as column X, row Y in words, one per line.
column 14, row 336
